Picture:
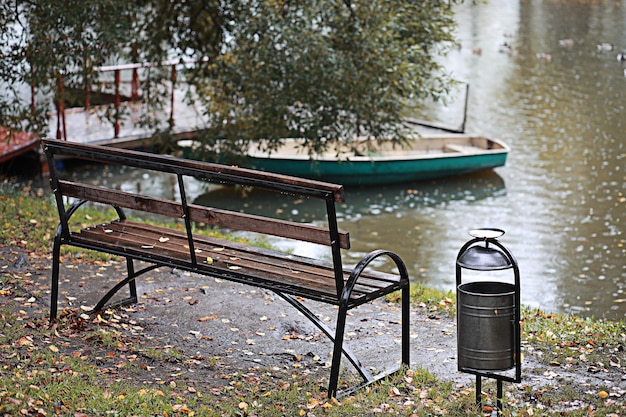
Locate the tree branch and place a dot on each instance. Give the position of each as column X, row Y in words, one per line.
column 348, row 4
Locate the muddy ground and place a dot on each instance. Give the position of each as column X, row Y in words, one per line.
column 217, row 327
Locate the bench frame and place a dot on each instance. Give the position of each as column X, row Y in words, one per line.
column 352, row 286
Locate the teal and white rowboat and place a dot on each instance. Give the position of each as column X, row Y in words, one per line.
column 425, row 157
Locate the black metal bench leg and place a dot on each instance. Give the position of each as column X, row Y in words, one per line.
column 132, row 285
column 54, row 293
column 337, row 351
column 129, row 280
column 338, row 345
column 365, row 374
column 406, row 317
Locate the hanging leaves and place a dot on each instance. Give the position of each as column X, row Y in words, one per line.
column 325, row 74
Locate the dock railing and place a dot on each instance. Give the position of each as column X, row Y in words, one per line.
column 124, row 77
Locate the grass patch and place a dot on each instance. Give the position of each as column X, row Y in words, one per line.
column 570, row 341
column 63, row 371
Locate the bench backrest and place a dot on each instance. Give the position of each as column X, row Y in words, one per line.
column 328, row 235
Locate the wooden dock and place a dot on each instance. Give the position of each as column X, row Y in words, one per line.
column 120, row 120
column 92, row 126
column 14, row 144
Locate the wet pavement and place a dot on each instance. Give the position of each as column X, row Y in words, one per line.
column 251, row 327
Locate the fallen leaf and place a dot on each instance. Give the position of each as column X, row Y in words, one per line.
column 25, row 341
column 312, row 403
column 614, row 361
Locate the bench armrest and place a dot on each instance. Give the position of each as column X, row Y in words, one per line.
column 364, row 262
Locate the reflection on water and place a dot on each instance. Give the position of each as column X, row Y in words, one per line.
column 363, row 201
column 561, row 198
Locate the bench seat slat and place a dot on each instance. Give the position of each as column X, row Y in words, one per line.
column 153, row 233
column 275, row 270
column 149, row 235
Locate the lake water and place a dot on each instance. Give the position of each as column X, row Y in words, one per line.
column 558, row 101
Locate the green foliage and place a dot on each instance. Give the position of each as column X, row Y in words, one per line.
column 326, row 72
column 43, row 39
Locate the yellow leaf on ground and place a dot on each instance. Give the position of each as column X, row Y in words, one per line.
column 25, row 341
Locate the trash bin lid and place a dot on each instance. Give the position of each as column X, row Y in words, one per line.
column 483, row 259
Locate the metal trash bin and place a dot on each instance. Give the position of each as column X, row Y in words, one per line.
column 486, row 318
column 488, row 313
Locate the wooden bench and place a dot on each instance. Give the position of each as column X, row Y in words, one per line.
column 285, row 274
